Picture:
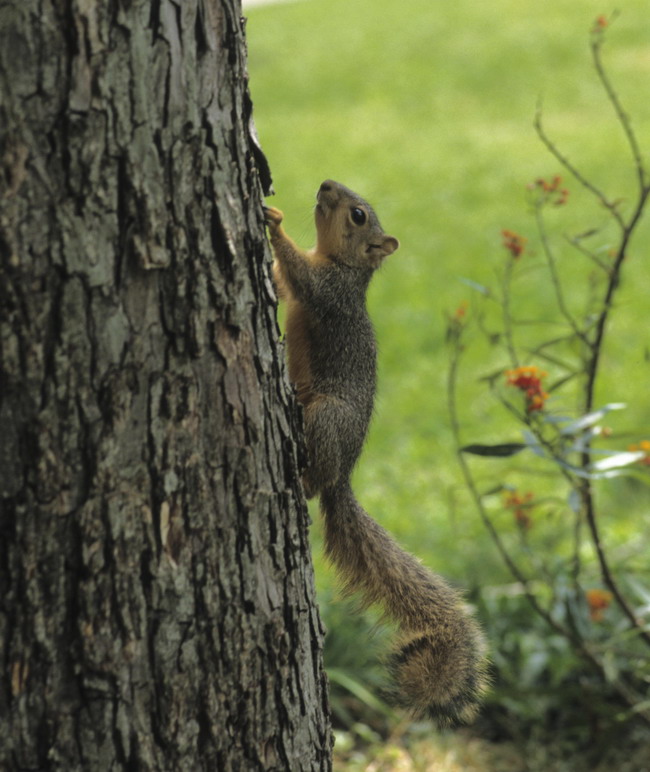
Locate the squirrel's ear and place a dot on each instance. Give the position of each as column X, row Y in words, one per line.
column 389, row 245
column 377, row 252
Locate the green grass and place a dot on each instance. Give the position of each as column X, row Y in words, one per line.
column 427, row 109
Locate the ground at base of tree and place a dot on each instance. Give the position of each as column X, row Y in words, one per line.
column 463, row 752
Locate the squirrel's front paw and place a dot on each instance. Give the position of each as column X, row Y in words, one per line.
column 273, row 217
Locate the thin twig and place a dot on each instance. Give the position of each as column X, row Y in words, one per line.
column 623, row 117
column 608, row 577
column 557, row 286
column 575, row 242
column 611, row 206
column 612, row 286
column 507, row 318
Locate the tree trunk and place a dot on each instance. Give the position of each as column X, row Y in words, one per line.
column 157, row 604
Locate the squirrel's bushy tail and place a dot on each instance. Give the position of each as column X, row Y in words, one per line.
column 438, row 665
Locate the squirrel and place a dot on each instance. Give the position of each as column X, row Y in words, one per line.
column 438, row 665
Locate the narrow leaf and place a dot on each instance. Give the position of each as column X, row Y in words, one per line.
column 533, row 444
column 502, row 451
column 641, row 591
column 354, row 686
column 592, row 473
column 475, row 286
column 591, row 418
column 555, row 419
column 618, row 460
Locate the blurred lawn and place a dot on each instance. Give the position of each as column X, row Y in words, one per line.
column 426, row 109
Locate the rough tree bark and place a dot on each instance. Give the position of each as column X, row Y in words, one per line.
column 156, row 595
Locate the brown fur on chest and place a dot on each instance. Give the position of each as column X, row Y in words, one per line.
column 297, row 325
column 298, row 350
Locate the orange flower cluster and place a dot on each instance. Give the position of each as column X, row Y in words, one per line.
column 644, row 445
column 514, row 243
column 551, row 191
column 529, row 380
column 598, row 601
column 601, row 23
column 520, row 506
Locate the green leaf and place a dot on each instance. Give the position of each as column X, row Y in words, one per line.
column 500, row 451
column 354, row 686
column 533, row 444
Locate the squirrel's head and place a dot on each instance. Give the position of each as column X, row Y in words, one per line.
column 348, row 229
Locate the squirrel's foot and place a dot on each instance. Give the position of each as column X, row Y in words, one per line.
column 273, row 218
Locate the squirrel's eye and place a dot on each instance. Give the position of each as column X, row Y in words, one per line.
column 358, row 215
